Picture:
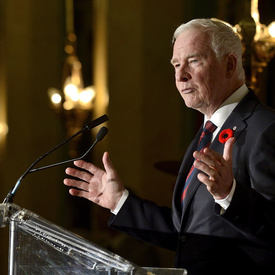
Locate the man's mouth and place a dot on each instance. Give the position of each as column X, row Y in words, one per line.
column 187, row 91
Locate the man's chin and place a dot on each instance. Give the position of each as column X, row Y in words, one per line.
column 190, row 104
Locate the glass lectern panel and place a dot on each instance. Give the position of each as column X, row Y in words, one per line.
column 38, row 246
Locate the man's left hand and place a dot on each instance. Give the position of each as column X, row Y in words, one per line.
column 217, row 169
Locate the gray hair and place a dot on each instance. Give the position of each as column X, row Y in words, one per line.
column 224, row 39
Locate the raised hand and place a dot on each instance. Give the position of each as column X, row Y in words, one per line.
column 102, row 187
column 217, row 168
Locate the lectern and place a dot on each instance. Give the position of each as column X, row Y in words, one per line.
column 37, row 246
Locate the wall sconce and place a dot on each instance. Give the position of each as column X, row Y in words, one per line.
column 259, row 45
column 258, row 42
column 263, row 45
column 74, row 103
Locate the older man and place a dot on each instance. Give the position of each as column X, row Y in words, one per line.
column 222, row 219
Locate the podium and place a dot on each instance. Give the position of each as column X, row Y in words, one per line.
column 37, row 246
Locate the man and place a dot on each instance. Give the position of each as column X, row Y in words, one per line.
column 224, row 223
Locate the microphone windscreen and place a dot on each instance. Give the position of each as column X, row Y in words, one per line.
column 101, row 133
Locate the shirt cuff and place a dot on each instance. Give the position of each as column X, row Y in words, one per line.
column 121, row 202
column 224, row 203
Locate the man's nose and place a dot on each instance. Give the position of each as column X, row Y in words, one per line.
column 182, row 75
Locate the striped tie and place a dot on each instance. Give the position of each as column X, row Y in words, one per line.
column 205, row 141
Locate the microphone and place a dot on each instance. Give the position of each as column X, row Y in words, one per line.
column 100, row 135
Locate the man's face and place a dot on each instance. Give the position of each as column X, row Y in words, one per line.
column 200, row 77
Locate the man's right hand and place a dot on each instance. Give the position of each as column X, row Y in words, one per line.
column 101, row 187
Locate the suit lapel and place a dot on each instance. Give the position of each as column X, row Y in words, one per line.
column 237, row 119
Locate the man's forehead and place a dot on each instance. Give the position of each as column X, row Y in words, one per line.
column 192, row 37
column 190, row 44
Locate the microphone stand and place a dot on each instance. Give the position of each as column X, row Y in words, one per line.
column 88, row 126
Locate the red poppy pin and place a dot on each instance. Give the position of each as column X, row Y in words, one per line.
column 225, row 135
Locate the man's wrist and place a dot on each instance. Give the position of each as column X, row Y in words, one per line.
column 121, row 202
column 224, row 203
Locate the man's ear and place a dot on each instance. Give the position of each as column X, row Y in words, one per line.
column 231, row 64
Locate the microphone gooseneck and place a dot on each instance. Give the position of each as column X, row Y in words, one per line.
column 99, row 136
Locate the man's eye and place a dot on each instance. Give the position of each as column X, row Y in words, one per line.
column 193, row 61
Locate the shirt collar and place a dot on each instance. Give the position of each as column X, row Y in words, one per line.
column 226, row 108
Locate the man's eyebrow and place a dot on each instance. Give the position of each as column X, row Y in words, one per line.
column 193, row 55
column 173, row 60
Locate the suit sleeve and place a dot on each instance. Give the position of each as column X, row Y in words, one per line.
column 252, row 210
column 147, row 221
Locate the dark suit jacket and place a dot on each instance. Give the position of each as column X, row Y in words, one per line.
column 242, row 239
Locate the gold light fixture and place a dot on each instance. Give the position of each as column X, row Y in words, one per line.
column 259, row 45
column 74, row 103
column 263, row 45
column 258, row 42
